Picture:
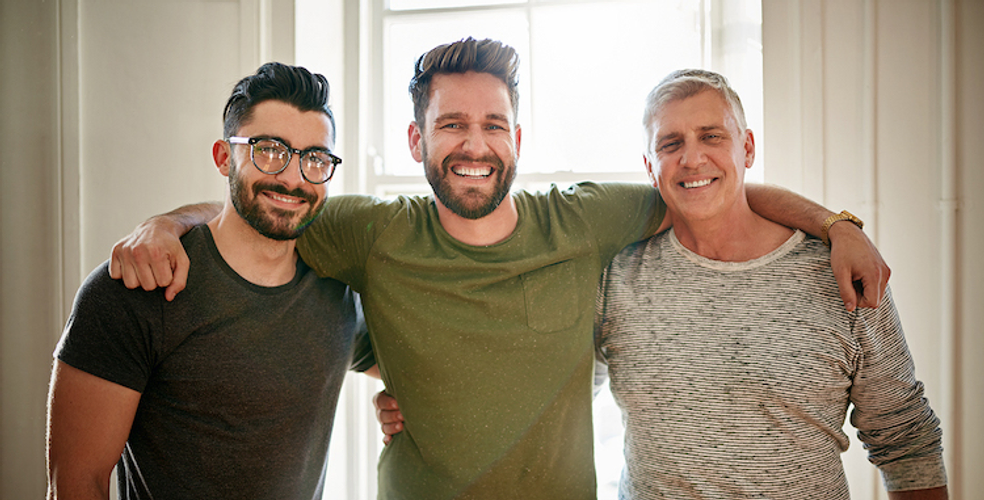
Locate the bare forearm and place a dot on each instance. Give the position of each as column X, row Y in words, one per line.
column 182, row 219
column 89, row 420
column 64, row 489
column 786, row 207
column 927, row 494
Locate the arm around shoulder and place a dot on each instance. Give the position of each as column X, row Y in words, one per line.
column 152, row 256
column 89, row 421
column 861, row 273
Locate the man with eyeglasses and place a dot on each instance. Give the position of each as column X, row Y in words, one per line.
column 228, row 391
column 479, row 301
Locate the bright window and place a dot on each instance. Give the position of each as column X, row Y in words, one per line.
column 586, row 67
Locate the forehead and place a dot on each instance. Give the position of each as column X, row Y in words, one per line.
column 302, row 129
column 705, row 109
column 471, row 94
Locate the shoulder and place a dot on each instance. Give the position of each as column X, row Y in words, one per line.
column 641, row 254
column 594, row 192
column 591, row 200
column 365, row 213
column 809, row 259
column 354, row 204
column 101, row 293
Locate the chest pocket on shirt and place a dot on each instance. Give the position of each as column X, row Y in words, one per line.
column 552, row 301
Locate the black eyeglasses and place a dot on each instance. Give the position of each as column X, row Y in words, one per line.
column 271, row 156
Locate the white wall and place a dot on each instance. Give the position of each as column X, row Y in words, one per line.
column 29, row 237
column 108, row 109
column 870, row 105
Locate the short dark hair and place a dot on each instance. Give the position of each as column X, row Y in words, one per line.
column 482, row 56
column 293, row 85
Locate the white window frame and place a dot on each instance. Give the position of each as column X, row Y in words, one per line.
column 726, row 53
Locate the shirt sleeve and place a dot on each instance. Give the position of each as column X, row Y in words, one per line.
column 337, row 243
column 363, row 357
column 892, row 415
column 619, row 213
column 112, row 331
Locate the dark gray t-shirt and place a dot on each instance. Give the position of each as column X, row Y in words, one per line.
column 239, row 382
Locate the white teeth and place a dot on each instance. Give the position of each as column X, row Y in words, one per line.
column 697, row 184
column 473, row 171
column 285, row 200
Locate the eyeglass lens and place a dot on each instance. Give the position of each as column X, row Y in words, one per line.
column 271, row 157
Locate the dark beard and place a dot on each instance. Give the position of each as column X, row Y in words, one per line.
column 273, row 224
column 437, row 177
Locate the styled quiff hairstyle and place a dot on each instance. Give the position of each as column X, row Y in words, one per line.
column 686, row 83
column 482, row 56
column 292, row 85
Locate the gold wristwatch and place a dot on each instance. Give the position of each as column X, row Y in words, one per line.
column 844, row 215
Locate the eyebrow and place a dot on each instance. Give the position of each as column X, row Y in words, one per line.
column 288, row 144
column 705, row 128
column 459, row 115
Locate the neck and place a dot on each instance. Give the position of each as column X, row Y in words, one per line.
column 736, row 237
column 486, row 231
column 258, row 259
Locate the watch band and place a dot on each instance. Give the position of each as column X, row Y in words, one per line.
column 844, row 215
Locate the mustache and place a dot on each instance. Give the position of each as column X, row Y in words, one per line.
column 455, row 157
column 279, row 189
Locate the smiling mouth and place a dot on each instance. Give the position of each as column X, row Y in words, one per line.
column 696, row 184
column 285, row 199
column 472, row 172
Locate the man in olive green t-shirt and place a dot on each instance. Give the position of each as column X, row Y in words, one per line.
column 480, row 303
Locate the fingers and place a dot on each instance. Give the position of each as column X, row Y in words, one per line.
column 140, row 266
column 872, row 288
column 845, row 284
column 383, row 401
column 178, row 277
column 861, row 272
column 388, row 414
column 151, row 257
column 391, row 429
column 115, row 264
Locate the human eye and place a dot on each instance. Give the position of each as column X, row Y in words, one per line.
column 713, row 137
column 317, row 159
column 668, row 146
column 269, row 148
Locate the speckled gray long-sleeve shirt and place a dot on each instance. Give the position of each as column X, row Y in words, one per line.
column 734, row 379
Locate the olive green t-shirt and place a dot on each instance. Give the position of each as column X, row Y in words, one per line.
column 488, row 350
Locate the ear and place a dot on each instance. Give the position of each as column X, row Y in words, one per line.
column 649, row 171
column 221, row 155
column 414, row 139
column 519, row 138
column 749, row 148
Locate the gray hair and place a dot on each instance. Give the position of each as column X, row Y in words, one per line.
column 686, row 83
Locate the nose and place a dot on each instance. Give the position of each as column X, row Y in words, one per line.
column 475, row 144
column 291, row 175
column 692, row 155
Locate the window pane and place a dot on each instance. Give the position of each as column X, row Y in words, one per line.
column 406, row 38
column 594, row 65
column 442, row 4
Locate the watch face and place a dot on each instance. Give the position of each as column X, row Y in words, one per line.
column 853, row 218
